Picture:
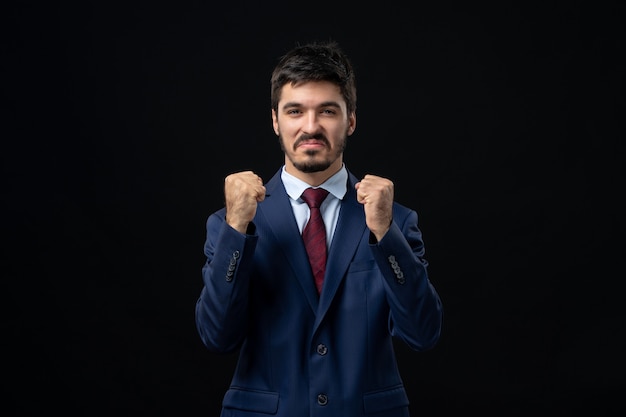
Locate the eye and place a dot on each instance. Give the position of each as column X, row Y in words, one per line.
column 329, row 111
column 293, row 111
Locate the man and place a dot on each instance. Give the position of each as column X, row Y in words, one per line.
column 304, row 351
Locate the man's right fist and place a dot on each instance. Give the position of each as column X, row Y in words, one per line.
column 242, row 191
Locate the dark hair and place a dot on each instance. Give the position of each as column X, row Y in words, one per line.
column 315, row 62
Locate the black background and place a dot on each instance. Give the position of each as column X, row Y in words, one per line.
column 501, row 123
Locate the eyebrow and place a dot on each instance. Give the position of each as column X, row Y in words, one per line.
column 293, row 104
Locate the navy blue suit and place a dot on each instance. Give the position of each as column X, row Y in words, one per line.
column 307, row 355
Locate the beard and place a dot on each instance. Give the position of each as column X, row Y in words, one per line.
column 310, row 165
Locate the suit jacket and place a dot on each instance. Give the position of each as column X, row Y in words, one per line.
column 301, row 354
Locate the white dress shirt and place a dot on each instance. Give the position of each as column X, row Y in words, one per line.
column 336, row 187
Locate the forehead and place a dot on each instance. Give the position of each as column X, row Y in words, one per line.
column 311, row 93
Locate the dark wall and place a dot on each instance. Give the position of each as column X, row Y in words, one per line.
column 502, row 125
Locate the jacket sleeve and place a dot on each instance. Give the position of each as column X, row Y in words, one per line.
column 416, row 309
column 222, row 308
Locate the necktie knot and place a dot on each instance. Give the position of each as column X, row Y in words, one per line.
column 314, row 196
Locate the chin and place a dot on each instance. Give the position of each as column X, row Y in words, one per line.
column 312, row 166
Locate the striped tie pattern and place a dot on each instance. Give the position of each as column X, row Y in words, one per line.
column 314, row 234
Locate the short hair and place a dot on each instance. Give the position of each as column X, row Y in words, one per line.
column 315, row 61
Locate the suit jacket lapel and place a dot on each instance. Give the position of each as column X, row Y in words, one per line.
column 348, row 235
column 277, row 211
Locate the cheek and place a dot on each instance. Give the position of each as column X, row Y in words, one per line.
column 340, row 131
column 286, row 129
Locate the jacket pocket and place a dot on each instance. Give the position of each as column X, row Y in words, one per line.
column 378, row 401
column 360, row 266
column 248, row 400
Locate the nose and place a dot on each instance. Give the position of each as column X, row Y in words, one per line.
column 311, row 123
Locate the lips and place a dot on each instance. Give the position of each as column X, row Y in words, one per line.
column 312, row 143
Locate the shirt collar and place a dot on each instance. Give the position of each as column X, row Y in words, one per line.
column 337, row 185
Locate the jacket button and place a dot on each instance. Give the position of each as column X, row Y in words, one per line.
column 322, row 349
column 322, row 399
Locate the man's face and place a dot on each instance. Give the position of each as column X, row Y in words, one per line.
column 312, row 124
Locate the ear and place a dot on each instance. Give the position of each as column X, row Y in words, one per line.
column 351, row 123
column 275, row 122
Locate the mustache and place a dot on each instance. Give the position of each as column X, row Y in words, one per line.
column 317, row 136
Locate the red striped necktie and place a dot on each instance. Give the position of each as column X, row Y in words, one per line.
column 314, row 234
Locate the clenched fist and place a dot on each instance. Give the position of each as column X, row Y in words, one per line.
column 376, row 195
column 242, row 191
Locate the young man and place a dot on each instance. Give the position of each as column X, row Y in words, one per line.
column 315, row 345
